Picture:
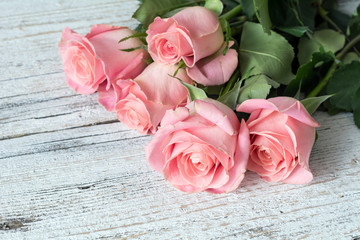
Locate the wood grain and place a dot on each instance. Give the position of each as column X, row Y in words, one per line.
column 70, row 170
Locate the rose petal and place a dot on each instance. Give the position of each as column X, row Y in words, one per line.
column 305, row 137
column 153, row 149
column 107, row 97
column 217, row 113
column 206, row 38
column 251, row 105
column 172, row 173
column 114, row 60
column 299, row 176
column 158, row 85
column 215, row 69
column 173, row 116
column 236, row 173
column 293, row 108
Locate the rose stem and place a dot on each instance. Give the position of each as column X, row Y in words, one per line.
column 332, row 69
column 348, row 46
column 323, row 81
column 232, row 13
column 323, row 14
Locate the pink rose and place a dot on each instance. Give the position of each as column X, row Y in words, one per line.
column 201, row 147
column 146, row 98
column 282, row 135
column 89, row 60
column 191, row 34
column 215, row 69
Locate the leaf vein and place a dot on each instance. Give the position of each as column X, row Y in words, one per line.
column 263, row 54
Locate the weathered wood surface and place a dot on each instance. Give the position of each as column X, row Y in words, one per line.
column 69, row 170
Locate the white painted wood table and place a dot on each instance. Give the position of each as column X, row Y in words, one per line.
column 70, row 170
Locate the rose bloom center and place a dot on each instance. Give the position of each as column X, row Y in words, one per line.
column 168, row 49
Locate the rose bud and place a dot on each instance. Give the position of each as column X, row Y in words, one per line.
column 146, row 98
column 215, row 69
column 201, row 147
column 191, row 34
column 282, row 135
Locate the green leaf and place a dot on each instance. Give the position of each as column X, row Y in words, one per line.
column 357, row 117
column 194, row 92
column 273, row 83
column 356, row 108
column 228, row 86
column 354, row 27
column 173, row 12
column 133, row 49
column 255, row 87
column 135, row 35
column 298, row 93
column 283, row 13
column 248, row 8
column 226, row 28
column 262, row 13
column 150, row 9
column 345, row 84
column 180, row 65
column 296, row 31
column 214, row 5
column 312, row 103
column 230, row 98
column 306, row 75
column 332, row 110
column 307, row 12
column 269, row 54
column 340, row 19
column 289, row 15
column 212, row 90
column 349, row 57
column 327, row 38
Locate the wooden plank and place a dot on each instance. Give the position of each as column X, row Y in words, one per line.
column 69, row 170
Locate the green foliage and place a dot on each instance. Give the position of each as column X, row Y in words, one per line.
column 354, row 27
column 269, row 54
column 230, row 4
column 262, row 13
column 230, row 98
column 288, row 15
column 214, row 5
column 349, row 57
column 248, row 8
column 356, row 108
column 327, row 38
column 306, row 11
column 194, row 92
column 336, row 13
column 226, row 28
column 255, row 87
column 230, row 84
column 140, row 35
column 308, row 73
column 133, row 49
column 312, row 103
column 345, row 85
column 150, row 9
column 296, row 31
column 266, row 56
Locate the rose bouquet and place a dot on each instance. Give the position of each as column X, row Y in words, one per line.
column 214, row 82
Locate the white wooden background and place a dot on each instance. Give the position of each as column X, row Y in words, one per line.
column 69, row 170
